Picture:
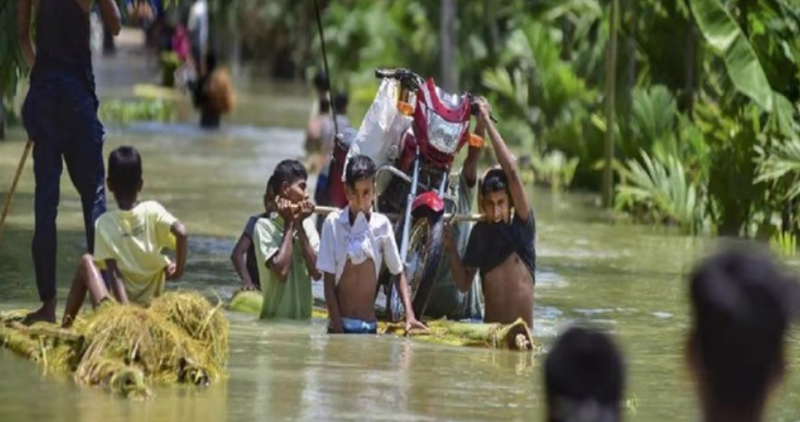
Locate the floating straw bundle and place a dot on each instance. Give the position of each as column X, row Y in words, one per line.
column 515, row 336
column 180, row 338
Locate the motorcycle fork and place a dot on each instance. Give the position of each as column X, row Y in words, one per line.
column 409, row 203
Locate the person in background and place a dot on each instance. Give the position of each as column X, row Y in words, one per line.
column 60, row 116
column 321, row 90
column 741, row 307
column 244, row 253
column 313, row 144
column 328, row 142
column 198, row 27
column 213, row 94
column 584, row 378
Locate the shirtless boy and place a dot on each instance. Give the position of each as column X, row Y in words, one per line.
column 502, row 246
column 355, row 243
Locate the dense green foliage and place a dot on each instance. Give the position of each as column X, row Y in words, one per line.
column 706, row 90
column 706, row 127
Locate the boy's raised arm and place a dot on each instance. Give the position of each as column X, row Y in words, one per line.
column 506, row 160
column 473, row 155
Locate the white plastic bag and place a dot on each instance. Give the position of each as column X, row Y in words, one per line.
column 382, row 127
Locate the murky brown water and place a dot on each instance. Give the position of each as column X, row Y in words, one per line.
column 629, row 279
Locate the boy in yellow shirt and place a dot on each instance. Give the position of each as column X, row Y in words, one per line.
column 129, row 243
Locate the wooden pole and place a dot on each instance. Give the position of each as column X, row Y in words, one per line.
column 10, row 195
column 456, row 218
column 610, row 94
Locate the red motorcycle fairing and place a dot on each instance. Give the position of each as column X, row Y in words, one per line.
column 428, row 200
column 444, row 122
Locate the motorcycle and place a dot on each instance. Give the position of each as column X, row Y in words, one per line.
column 412, row 131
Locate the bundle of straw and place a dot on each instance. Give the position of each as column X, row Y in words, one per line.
column 220, row 92
column 180, row 338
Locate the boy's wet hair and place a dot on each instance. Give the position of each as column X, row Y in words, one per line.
column 270, row 191
column 125, row 170
column 584, row 371
column 340, row 101
column 742, row 304
column 358, row 168
column 324, row 105
column 495, row 180
column 321, row 82
column 287, row 171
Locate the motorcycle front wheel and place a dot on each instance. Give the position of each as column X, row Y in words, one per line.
column 425, row 251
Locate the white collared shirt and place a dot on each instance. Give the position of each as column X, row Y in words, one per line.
column 373, row 239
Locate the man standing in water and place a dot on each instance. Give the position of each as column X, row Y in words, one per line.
column 502, row 246
column 60, row 116
column 198, row 35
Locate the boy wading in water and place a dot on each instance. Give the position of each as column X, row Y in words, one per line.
column 502, row 246
column 286, row 247
column 129, row 243
column 60, row 116
column 356, row 242
column 244, row 253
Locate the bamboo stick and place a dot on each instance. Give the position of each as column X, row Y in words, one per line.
column 47, row 331
column 10, row 195
column 456, row 218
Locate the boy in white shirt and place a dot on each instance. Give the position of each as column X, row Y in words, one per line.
column 355, row 243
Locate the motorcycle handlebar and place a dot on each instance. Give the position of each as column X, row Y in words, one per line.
column 407, row 78
column 410, row 78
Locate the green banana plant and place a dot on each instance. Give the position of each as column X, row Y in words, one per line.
column 729, row 42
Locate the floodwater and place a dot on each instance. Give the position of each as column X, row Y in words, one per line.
column 628, row 279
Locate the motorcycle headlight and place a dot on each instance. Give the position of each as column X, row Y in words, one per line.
column 444, row 135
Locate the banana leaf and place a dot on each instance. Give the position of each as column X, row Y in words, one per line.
column 728, row 41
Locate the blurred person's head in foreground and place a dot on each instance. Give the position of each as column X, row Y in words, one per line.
column 742, row 303
column 584, row 377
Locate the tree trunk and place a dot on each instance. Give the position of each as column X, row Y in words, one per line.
column 610, row 94
column 2, row 115
column 689, row 69
column 632, row 70
column 447, row 65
